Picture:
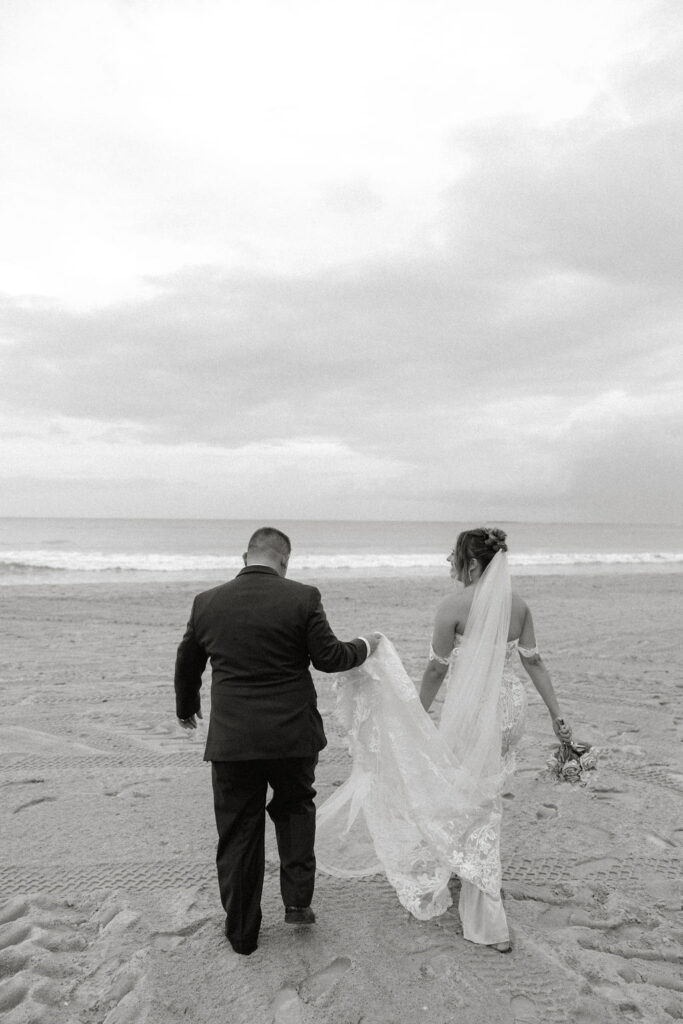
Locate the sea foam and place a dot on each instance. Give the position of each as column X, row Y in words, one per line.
column 89, row 563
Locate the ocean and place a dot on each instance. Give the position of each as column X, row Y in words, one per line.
column 38, row 551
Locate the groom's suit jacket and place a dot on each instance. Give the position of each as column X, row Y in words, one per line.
column 261, row 632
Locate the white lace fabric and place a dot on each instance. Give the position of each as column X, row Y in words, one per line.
column 512, row 701
column 433, row 656
column 423, row 803
column 408, row 808
column 526, row 652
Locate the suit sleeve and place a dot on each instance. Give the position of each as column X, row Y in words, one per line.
column 190, row 663
column 327, row 653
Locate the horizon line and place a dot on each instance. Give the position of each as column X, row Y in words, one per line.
column 311, row 519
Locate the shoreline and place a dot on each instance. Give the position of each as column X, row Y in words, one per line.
column 59, row 577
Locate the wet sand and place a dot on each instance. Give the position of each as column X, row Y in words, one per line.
column 109, row 908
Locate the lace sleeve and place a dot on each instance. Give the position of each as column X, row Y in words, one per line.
column 433, row 656
column 529, row 652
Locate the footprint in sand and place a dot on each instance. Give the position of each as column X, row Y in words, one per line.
column 134, row 789
column 524, row 1010
column 287, row 1007
column 317, row 985
column 616, row 794
column 16, row 933
column 174, row 937
column 32, row 803
column 546, row 811
column 12, row 994
column 32, row 940
column 661, row 841
column 13, row 910
column 60, row 939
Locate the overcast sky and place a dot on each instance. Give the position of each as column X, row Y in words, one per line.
column 411, row 259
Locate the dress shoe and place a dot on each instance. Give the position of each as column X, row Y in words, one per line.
column 299, row 915
column 243, row 948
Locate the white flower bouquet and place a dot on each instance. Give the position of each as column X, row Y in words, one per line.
column 571, row 760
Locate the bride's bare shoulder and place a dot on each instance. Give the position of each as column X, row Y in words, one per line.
column 518, row 615
column 454, row 606
column 519, row 605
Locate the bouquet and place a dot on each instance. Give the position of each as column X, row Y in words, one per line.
column 571, row 760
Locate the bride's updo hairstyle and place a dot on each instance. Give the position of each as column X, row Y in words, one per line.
column 482, row 544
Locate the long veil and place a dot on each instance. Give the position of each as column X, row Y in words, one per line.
column 422, row 803
column 470, row 720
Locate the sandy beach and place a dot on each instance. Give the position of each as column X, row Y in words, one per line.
column 110, row 909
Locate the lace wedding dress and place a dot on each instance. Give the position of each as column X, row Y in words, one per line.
column 421, row 802
column 512, row 700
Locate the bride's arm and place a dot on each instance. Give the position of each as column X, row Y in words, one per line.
column 442, row 644
column 540, row 677
column 432, row 679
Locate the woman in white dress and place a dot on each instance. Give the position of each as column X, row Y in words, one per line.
column 482, row 915
column 423, row 803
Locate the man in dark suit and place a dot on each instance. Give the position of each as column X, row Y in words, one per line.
column 261, row 633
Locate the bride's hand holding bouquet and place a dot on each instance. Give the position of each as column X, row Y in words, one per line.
column 562, row 730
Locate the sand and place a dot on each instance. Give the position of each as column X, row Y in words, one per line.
column 109, row 908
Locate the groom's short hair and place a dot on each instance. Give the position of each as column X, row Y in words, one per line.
column 269, row 537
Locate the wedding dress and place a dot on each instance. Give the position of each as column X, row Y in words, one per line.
column 421, row 802
column 512, row 700
column 482, row 915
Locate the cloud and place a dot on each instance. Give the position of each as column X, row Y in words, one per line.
column 352, row 197
column 633, row 466
column 521, row 353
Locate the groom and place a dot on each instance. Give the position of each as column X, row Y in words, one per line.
column 261, row 633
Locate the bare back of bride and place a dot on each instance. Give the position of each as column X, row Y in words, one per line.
column 423, row 801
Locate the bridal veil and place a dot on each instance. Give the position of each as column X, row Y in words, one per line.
column 421, row 802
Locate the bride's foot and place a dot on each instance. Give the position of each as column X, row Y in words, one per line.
column 502, row 947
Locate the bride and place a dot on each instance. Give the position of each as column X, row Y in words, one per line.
column 424, row 802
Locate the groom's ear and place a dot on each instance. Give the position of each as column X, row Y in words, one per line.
column 244, row 558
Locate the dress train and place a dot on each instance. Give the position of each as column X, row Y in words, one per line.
column 423, row 803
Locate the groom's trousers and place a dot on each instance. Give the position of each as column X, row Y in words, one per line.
column 239, row 792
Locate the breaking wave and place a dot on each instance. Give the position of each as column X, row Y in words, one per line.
column 16, row 565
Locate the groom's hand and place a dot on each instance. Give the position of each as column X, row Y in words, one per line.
column 191, row 722
column 373, row 640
